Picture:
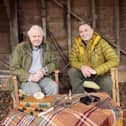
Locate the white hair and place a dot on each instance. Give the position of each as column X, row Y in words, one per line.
column 35, row 27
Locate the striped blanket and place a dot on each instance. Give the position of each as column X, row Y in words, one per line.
column 77, row 114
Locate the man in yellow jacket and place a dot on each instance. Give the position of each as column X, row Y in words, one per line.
column 91, row 55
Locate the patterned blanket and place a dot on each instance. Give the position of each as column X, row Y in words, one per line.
column 78, row 114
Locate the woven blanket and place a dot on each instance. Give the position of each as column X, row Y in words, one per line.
column 77, row 114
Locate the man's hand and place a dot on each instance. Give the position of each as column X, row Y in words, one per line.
column 87, row 71
column 37, row 76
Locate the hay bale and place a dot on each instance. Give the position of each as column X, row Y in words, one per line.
column 5, row 103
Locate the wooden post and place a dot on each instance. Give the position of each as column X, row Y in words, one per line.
column 117, row 26
column 56, row 76
column 69, row 25
column 11, row 9
column 44, row 21
column 115, row 85
column 16, row 92
column 15, row 22
column 93, row 14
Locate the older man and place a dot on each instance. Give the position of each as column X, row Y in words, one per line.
column 91, row 55
column 32, row 62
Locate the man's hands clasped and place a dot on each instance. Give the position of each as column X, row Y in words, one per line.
column 37, row 76
column 87, row 71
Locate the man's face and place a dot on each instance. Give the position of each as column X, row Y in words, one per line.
column 36, row 38
column 86, row 32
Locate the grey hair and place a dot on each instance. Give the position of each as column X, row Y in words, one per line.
column 35, row 27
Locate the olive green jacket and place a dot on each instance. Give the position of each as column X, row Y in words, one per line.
column 22, row 60
column 97, row 53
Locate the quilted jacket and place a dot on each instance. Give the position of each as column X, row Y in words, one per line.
column 97, row 53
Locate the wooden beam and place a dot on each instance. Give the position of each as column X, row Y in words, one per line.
column 12, row 12
column 117, row 26
column 72, row 13
column 7, row 7
column 44, row 20
column 5, row 64
column 116, row 46
column 69, row 25
column 57, row 46
column 4, row 71
column 4, row 76
column 93, row 14
column 14, row 21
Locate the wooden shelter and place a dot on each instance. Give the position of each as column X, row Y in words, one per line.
column 60, row 19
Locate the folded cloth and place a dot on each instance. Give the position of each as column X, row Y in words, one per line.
column 91, row 84
column 76, row 115
column 107, row 104
column 19, row 118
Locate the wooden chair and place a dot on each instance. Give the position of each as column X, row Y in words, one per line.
column 15, row 93
column 115, row 94
column 115, row 86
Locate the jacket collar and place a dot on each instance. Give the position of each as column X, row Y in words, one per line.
column 92, row 43
column 28, row 45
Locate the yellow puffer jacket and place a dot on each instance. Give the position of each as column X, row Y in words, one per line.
column 97, row 54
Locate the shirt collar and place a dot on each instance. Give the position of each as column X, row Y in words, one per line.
column 36, row 49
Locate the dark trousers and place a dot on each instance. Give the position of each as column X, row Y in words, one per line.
column 77, row 79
